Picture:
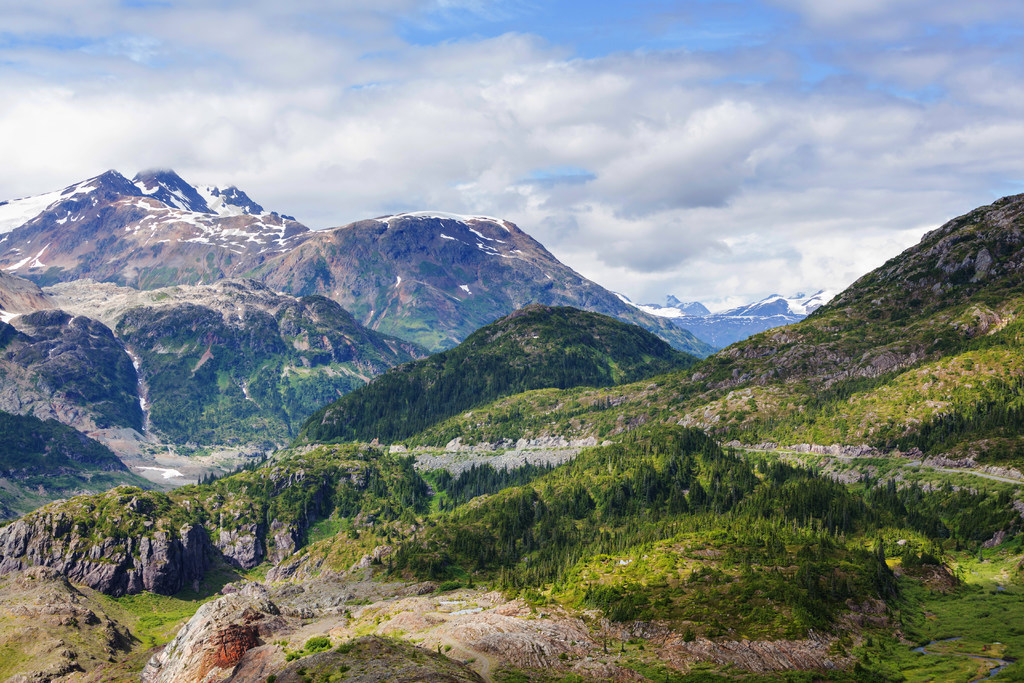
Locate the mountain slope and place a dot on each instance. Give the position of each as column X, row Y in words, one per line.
column 927, row 344
column 109, row 228
column 43, row 460
column 435, row 278
column 233, row 362
column 18, row 295
column 534, row 347
column 69, row 368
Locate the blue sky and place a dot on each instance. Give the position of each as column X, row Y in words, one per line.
column 719, row 151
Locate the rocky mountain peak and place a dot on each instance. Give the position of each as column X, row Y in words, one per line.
column 230, row 202
column 170, row 188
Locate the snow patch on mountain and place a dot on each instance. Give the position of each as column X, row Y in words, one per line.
column 17, row 212
column 445, row 216
column 230, row 202
column 660, row 311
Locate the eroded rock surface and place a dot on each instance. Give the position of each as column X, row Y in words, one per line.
column 216, row 638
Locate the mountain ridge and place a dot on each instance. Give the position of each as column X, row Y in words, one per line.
column 722, row 328
column 160, row 231
column 532, row 348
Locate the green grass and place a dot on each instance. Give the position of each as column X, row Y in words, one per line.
column 987, row 622
column 153, row 619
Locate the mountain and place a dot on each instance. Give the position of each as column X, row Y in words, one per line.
column 657, row 553
column 44, row 460
column 923, row 352
column 56, row 365
column 434, row 278
column 233, row 363
column 723, row 328
column 533, row 348
column 426, row 277
column 680, row 551
column 171, row 189
column 157, row 232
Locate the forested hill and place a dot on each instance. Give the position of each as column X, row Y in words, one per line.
column 924, row 352
column 42, row 459
column 536, row 347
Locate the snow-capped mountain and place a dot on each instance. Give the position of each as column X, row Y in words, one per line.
column 723, row 328
column 673, row 308
column 428, row 277
column 168, row 187
column 148, row 232
column 435, row 277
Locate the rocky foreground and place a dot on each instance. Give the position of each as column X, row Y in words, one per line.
column 367, row 630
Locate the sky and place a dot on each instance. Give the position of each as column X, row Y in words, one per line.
column 716, row 151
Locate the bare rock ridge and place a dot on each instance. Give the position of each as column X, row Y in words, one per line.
column 216, row 638
column 231, row 639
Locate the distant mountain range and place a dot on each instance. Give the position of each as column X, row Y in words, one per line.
column 432, row 278
column 724, row 328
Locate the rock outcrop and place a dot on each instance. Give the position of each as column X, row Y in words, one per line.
column 241, row 547
column 216, row 638
column 755, row 655
column 157, row 559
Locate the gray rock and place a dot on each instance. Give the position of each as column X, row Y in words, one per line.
column 161, row 563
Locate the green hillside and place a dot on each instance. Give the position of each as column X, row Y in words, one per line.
column 42, row 460
column 535, row 347
column 924, row 352
column 221, row 377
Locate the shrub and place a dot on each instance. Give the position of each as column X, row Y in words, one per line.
column 318, row 644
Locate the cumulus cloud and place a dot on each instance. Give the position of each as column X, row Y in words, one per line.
column 778, row 165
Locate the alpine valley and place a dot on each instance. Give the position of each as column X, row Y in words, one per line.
column 455, row 459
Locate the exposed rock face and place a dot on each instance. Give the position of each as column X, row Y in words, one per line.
column 760, row 655
column 161, row 562
column 216, row 638
column 457, row 457
column 285, row 540
column 241, row 547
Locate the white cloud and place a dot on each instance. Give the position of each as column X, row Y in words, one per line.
column 715, row 175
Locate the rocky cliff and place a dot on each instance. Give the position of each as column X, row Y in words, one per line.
column 124, row 541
